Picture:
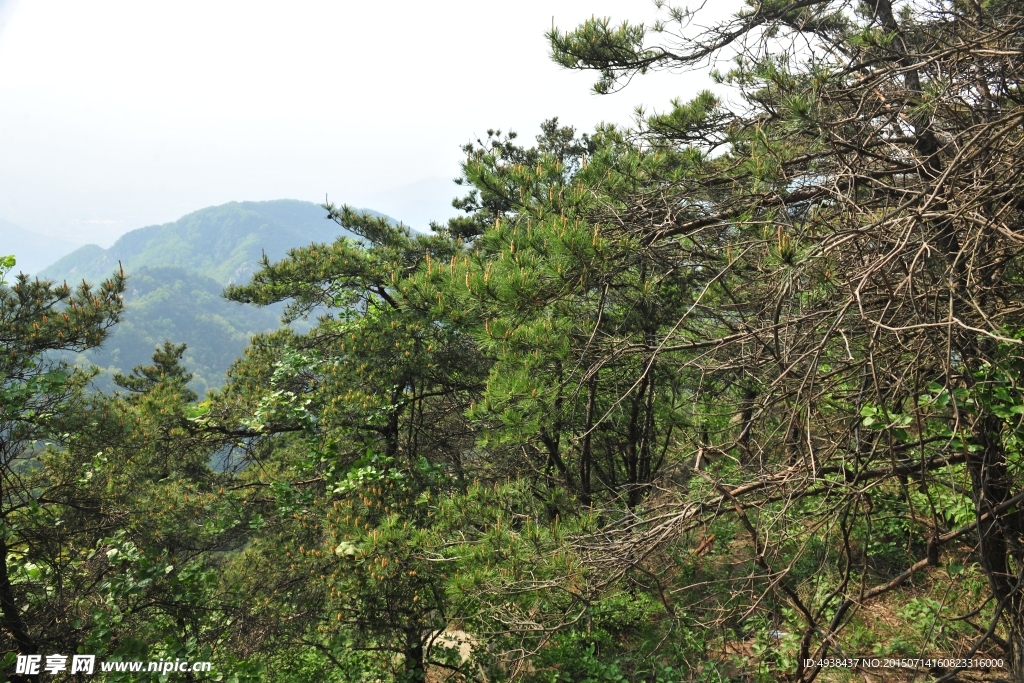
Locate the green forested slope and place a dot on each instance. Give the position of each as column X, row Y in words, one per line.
column 165, row 303
column 732, row 396
column 176, row 272
column 224, row 243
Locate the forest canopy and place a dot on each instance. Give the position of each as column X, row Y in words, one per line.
column 732, row 393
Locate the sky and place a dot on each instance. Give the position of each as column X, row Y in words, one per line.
column 116, row 114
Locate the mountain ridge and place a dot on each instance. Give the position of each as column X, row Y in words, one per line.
column 176, row 274
column 224, row 242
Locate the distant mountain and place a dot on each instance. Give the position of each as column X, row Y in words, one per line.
column 224, row 243
column 167, row 303
column 176, row 273
column 33, row 250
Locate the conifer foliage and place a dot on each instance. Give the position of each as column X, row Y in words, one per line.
column 35, row 392
column 716, row 397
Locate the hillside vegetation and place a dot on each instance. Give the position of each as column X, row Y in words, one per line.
column 733, row 394
column 224, row 243
column 173, row 304
column 176, row 273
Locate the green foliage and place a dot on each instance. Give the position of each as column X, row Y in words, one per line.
column 703, row 400
column 547, row 288
column 6, row 263
column 166, row 368
column 37, row 394
column 613, row 50
column 177, row 272
column 164, row 304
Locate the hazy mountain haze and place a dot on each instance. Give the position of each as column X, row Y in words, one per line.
column 118, row 114
column 33, row 250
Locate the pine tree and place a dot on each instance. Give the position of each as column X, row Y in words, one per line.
column 37, row 318
column 166, row 367
column 358, row 425
column 856, row 212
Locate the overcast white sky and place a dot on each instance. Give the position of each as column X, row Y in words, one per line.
column 115, row 114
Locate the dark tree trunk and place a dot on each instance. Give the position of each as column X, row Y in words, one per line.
column 415, row 669
column 587, row 449
column 11, row 618
column 999, row 535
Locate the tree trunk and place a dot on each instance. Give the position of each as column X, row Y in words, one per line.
column 415, row 669
column 587, row 449
column 999, row 535
column 1013, row 615
column 11, row 617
